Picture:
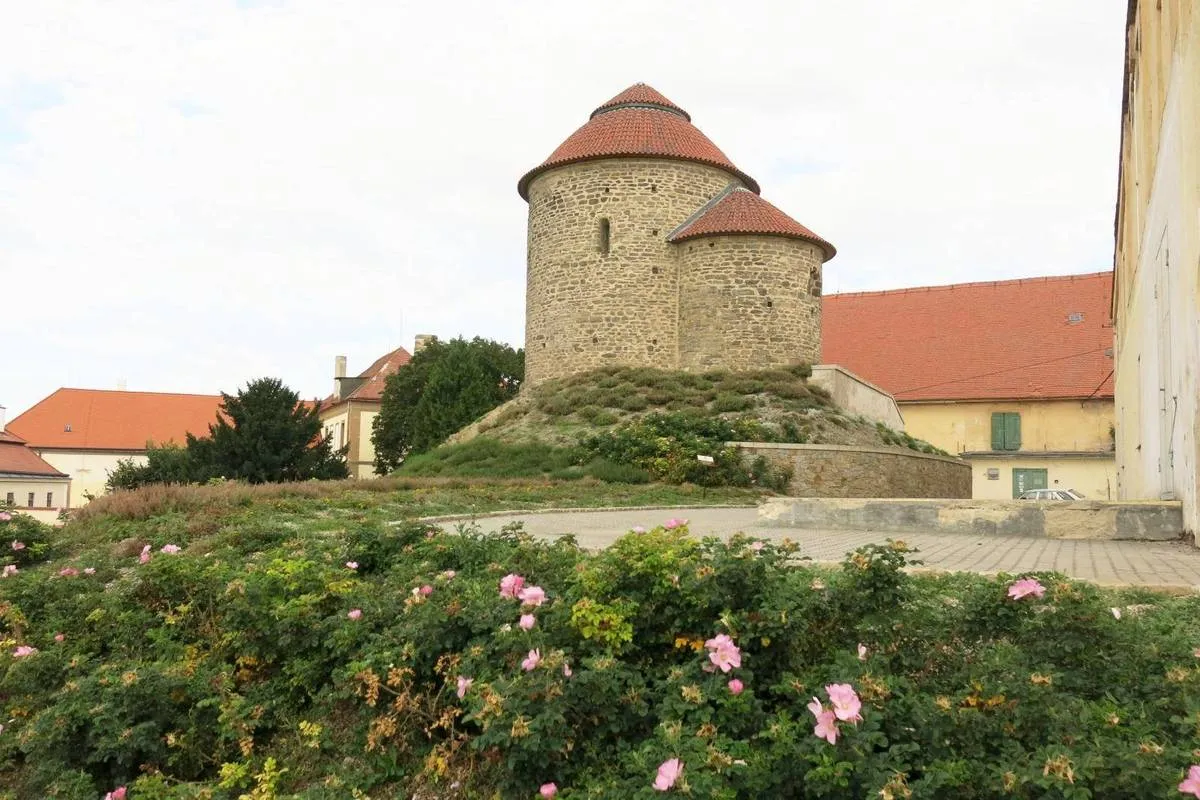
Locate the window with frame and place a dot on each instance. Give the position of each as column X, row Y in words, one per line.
column 1006, row 430
column 12, row 499
column 49, row 499
column 31, row 496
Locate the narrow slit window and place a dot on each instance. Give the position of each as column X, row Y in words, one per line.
column 604, row 236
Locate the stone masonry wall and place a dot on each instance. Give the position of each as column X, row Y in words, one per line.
column 749, row 302
column 585, row 309
column 839, row 471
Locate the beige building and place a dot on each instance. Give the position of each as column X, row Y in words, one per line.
column 647, row 246
column 348, row 414
column 27, row 483
column 1156, row 290
column 1013, row 376
column 84, row 433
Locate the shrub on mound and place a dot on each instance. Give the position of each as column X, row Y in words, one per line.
column 399, row 662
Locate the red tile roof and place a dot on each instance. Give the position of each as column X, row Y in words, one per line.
column 94, row 419
column 376, row 378
column 641, row 94
column 1038, row 338
column 16, row 458
column 637, row 128
column 743, row 212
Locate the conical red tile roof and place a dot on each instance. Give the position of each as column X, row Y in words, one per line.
column 641, row 94
column 738, row 211
column 638, row 122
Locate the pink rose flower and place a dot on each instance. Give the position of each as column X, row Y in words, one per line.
column 826, row 727
column 171, row 549
column 723, row 653
column 735, row 687
column 68, row 572
column 145, row 556
column 638, row 529
column 58, row 637
column 548, row 790
column 527, row 622
column 464, row 684
column 532, row 596
column 668, row 772
column 846, row 705
column 116, row 794
column 449, row 574
column 351, row 565
column 9, row 569
column 532, row 660
column 1026, row 587
column 426, row 590
column 355, row 613
column 674, row 522
column 24, row 650
column 5, row 516
column 16, row 545
column 758, row 546
column 510, row 585
column 862, row 652
column 566, row 670
column 1191, row 784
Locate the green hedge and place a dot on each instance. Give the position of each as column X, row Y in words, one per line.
column 277, row 663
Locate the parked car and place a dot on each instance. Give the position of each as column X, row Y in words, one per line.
column 1050, row 494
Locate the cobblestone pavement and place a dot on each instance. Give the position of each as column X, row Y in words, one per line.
column 1161, row 564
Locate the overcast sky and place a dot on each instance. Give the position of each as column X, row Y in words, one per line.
column 196, row 194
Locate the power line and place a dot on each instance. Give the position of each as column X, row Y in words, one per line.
column 1006, row 369
column 1106, row 377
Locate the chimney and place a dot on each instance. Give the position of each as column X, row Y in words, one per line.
column 421, row 340
column 1, row 419
column 339, row 371
column 120, row 384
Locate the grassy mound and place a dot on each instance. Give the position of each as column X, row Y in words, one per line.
column 608, row 424
column 308, row 648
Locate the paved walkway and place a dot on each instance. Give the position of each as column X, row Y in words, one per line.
column 1162, row 564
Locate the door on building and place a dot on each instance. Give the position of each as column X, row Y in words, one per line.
column 1027, row 479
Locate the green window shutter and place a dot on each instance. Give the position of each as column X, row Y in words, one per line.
column 997, row 431
column 1012, row 431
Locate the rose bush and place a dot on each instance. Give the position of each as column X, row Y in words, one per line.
column 255, row 662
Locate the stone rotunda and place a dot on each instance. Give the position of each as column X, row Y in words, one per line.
column 648, row 247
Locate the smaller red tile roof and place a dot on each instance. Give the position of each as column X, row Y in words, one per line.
column 96, row 419
column 637, row 129
column 1036, row 338
column 376, row 378
column 16, row 458
column 641, row 94
column 738, row 211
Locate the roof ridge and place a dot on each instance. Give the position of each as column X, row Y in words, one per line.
column 949, row 286
column 130, row 391
column 729, row 189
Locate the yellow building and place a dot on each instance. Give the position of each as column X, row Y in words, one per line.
column 86, row 433
column 347, row 415
column 1156, row 293
column 27, row 483
column 1013, row 376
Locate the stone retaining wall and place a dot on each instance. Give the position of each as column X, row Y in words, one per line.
column 821, row 470
column 1087, row 519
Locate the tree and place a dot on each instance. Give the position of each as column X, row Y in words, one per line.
column 265, row 435
column 445, row 386
column 170, row 463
